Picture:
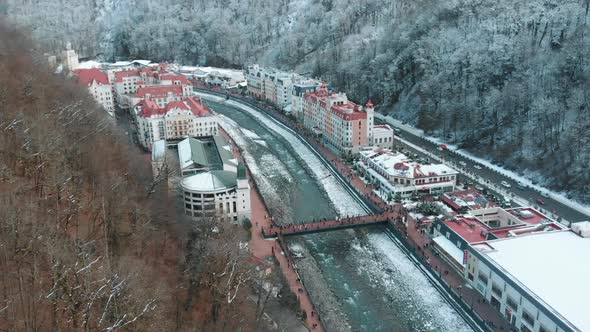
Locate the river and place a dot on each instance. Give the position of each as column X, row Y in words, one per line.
column 359, row 279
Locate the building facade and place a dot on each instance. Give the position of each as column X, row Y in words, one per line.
column 99, row 87
column 343, row 126
column 217, row 195
column 383, row 136
column 299, row 90
column 255, row 81
column 396, row 175
column 179, row 119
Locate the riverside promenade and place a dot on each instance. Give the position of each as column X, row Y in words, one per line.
column 262, row 248
column 409, row 231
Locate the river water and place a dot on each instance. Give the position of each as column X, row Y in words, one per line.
column 361, row 279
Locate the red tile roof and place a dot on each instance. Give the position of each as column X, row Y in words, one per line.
column 87, row 76
column 197, row 106
column 120, row 75
column 159, row 91
column 170, row 77
column 150, row 108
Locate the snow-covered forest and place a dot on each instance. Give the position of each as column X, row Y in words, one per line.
column 506, row 79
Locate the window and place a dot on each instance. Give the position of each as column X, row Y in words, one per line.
column 496, row 290
column 528, row 318
column 542, row 328
column 483, row 278
column 524, row 328
column 512, row 304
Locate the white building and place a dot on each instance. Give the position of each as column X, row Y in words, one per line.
column 297, row 92
column 395, row 174
column 255, row 80
column 205, row 154
column 536, row 281
column 70, row 58
column 217, row 194
column 179, row 119
column 382, row 136
column 99, row 87
column 214, row 184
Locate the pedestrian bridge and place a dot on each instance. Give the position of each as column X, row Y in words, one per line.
column 331, row 225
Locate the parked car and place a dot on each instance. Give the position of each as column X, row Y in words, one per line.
column 521, row 186
column 478, row 188
column 545, row 194
column 540, row 201
column 505, row 184
column 462, row 163
column 477, row 166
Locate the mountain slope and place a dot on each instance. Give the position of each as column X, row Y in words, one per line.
column 506, row 79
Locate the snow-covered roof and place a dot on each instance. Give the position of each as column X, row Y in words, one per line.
column 541, row 261
column 455, row 253
column 398, row 164
column 142, row 62
column 89, row 65
column 210, row 181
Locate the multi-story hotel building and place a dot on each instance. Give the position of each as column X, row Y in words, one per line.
column 178, row 119
column 99, row 87
column 344, row 126
column 396, row 175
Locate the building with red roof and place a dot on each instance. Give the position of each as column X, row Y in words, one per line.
column 343, row 125
column 98, row 85
column 177, row 119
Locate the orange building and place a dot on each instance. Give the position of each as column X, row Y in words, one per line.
column 343, row 125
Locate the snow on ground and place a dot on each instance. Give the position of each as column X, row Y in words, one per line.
column 343, row 202
column 399, row 276
column 560, row 197
column 89, row 65
column 409, row 286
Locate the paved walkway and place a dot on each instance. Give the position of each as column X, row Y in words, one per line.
column 414, row 234
column 262, row 248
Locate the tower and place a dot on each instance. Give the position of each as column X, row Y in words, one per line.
column 370, row 110
column 243, row 194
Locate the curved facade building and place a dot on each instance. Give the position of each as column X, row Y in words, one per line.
column 218, row 193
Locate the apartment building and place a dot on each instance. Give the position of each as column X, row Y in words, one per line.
column 99, row 87
column 343, row 126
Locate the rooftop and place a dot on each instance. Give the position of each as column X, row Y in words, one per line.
column 399, row 165
column 150, row 108
column 158, row 91
column 120, row 75
column 497, row 223
column 87, row 76
column 466, row 199
column 553, row 266
column 209, row 181
column 212, row 153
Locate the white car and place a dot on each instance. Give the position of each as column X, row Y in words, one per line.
column 462, row 163
column 477, row 166
column 505, row 184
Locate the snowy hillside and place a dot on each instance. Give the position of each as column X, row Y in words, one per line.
column 505, row 79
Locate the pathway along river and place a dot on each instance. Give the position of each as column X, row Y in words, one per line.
column 359, row 279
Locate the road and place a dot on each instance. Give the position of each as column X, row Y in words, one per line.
column 492, row 179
